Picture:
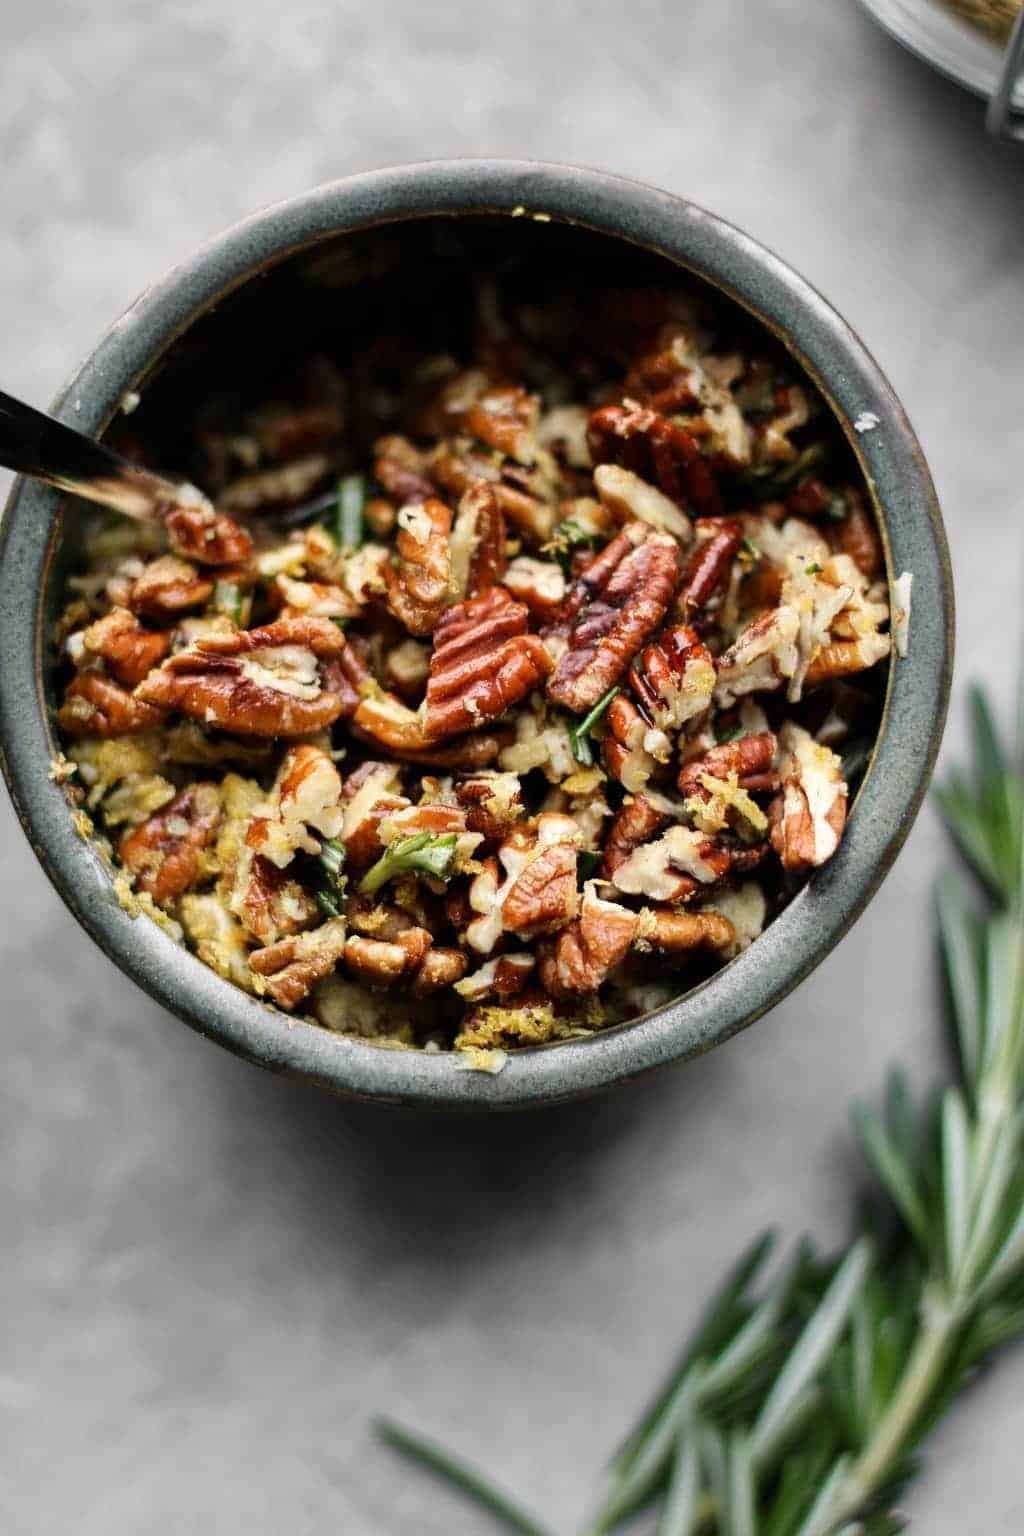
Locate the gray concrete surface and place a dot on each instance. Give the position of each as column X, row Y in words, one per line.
column 210, row 1278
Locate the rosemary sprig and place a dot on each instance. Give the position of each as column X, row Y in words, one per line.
column 798, row 1404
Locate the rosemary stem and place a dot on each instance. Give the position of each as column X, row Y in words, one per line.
column 940, row 1325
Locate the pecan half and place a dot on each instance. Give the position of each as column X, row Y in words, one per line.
column 127, row 648
column 272, row 489
column 407, row 667
column 858, row 536
column 478, row 548
column 627, row 496
column 288, row 431
column 401, row 470
column 578, row 962
column 209, row 537
column 627, row 604
column 269, row 903
column 95, row 705
column 313, row 599
column 842, row 658
column 493, row 803
column 483, row 662
column 538, row 893
column 289, row 970
column 306, row 795
column 625, row 748
column 370, row 794
column 761, row 658
column 663, row 380
column 674, row 867
column 169, row 587
column 419, row 587
column 544, row 897
column 503, row 977
column 539, row 584
column 709, row 567
column 657, row 449
column 809, row 814
column 637, row 822
column 409, row 960
column 673, row 679
column 679, row 933
column 750, row 758
column 505, row 418
column 457, row 472
column 261, row 682
column 163, row 854
column 463, row 754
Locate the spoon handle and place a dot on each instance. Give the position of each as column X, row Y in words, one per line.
column 34, row 444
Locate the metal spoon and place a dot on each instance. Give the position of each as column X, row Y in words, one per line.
column 32, row 443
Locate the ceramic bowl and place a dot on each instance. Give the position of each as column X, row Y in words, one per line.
column 227, row 301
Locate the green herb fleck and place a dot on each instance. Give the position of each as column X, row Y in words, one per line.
column 813, row 569
column 749, row 548
column 350, row 508
column 331, row 860
column 570, row 535
column 424, row 852
column 227, row 599
column 326, row 902
column 579, row 735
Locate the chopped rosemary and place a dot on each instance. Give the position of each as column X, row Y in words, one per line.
column 350, row 508
column 579, row 735
column 332, row 857
column 798, row 1405
column 425, row 852
column 331, row 860
column 227, row 599
column 326, row 902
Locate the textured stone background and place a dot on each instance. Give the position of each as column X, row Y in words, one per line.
column 212, row 1278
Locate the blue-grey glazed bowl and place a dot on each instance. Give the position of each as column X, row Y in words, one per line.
column 535, row 198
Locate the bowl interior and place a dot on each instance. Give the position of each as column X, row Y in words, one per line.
column 411, row 277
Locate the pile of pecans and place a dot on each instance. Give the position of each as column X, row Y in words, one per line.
column 510, row 722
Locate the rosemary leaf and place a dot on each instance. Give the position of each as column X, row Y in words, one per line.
column 814, row 1343
column 579, row 735
column 893, row 1171
column 681, row 1514
column 461, row 1475
column 349, row 513
column 956, row 1180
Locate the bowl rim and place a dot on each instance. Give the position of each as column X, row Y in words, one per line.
column 896, row 474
